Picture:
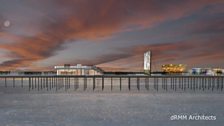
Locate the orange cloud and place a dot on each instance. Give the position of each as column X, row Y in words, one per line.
column 194, row 53
column 88, row 19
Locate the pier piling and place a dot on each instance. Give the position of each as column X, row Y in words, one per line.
column 175, row 83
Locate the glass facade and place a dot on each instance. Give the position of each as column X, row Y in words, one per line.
column 78, row 70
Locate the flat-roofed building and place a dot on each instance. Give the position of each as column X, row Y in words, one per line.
column 67, row 69
column 207, row 71
column 174, row 68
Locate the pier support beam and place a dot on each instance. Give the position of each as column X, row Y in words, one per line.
column 102, row 83
column 5, row 82
column 111, row 84
column 138, row 83
column 147, row 83
column 129, row 83
column 94, row 83
column 22, row 82
column 29, row 83
column 13, row 82
column 120, row 83
column 85, row 83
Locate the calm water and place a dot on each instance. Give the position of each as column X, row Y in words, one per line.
column 69, row 107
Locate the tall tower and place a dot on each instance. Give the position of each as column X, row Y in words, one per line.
column 147, row 62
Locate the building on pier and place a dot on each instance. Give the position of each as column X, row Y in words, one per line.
column 5, row 72
column 67, row 69
column 19, row 72
column 206, row 71
column 147, row 62
column 174, row 68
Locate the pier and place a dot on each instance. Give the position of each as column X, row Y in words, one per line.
column 114, row 83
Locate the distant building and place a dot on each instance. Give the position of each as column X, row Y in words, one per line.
column 147, row 62
column 218, row 71
column 206, row 71
column 222, row 71
column 196, row 71
column 174, row 68
column 4, row 72
column 78, row 70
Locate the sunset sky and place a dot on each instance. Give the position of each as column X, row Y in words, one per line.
column 112, row 34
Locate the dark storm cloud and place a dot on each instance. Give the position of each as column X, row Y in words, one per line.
column 62, row 21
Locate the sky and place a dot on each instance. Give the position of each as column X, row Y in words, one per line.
column 111, row 34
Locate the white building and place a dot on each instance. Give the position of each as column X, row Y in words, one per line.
column 147, row 62
column 78, row 70
column 207, row 71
